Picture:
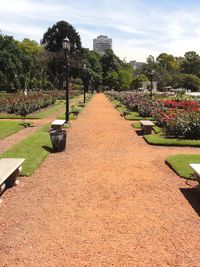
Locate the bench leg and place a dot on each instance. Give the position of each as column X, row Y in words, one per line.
column 147, row 129
column 12, row 178
column 197, row 178
column 2, row 188
column 198, row 186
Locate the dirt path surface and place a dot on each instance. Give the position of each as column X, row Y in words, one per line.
column 108, row 200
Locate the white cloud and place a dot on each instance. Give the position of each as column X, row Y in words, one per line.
column 138, row 28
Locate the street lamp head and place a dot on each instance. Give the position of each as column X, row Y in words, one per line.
column 84, row 66
column 66, row 44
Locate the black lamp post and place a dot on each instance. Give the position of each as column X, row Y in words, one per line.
column 151, row 79
column 136, row 83
column 91, row 84
column 66, row 47
column 85, row 81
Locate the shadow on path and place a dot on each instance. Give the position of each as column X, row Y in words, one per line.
column 47, row 148
column 193, row 197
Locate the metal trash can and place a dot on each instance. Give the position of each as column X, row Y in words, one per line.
column 58, row 139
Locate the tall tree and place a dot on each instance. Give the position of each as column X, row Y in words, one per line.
column 167, row 62
column 36, row 76
column 191, row 63
column 14, row 64
column 52, row 41
column 54, row 36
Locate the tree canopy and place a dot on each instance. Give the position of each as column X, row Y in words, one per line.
column 27, row 64
column 53, row 37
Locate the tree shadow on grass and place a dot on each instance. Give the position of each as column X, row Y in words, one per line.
column 193, row 197
column 48, row 148
column 26, row 124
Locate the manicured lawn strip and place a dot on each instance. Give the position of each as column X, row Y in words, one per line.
column 9, row 127
column 180, row 164
column 32, row 149
column 75, row 103
column 136, row 125
column 59, row 104
column 48, row 111
column 157, row 130
column 35, row 148
column 134, row 116
column 118, row 105
column 159, row 139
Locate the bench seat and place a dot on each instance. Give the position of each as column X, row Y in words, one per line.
column 196, row 168
column 57, row 124
column 146, row 126
column 9, row 170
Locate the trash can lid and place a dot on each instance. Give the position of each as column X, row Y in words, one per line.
column 58, row 122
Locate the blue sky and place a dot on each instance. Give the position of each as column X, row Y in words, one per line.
column 139, row 28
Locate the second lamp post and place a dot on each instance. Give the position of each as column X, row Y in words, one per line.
column 66, row 46
column 151, row 77
column 85, row 82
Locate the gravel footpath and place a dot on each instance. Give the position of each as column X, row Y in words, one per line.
column 108, row 200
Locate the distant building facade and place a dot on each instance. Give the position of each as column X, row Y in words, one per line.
column 136, row 64
column 101, row 44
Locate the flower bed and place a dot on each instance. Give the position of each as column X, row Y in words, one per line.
column 178, row 118
column 21, row 104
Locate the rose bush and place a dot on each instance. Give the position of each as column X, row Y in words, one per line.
column 178, row 118
column 14, row 103
column 182, row 124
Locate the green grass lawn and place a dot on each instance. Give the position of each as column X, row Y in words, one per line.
column 34, row 149
column 10, row 127
column 48, row 111
column 136, row 125
column 118, row 105
column 180, row 164
column 159, row 139
column 78, row 105
column 157, row 130
column 134, row 116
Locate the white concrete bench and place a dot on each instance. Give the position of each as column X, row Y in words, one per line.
column 196, row 168
column 147, row 126
column 57, row 124
column 10, row 168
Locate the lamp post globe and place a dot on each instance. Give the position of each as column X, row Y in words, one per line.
column 66, row 44
column 66, row 47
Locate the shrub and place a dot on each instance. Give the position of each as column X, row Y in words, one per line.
column 19, row 103
column 183, row 124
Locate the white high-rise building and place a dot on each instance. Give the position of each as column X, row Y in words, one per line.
column 137, row 64
column 101, row 44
